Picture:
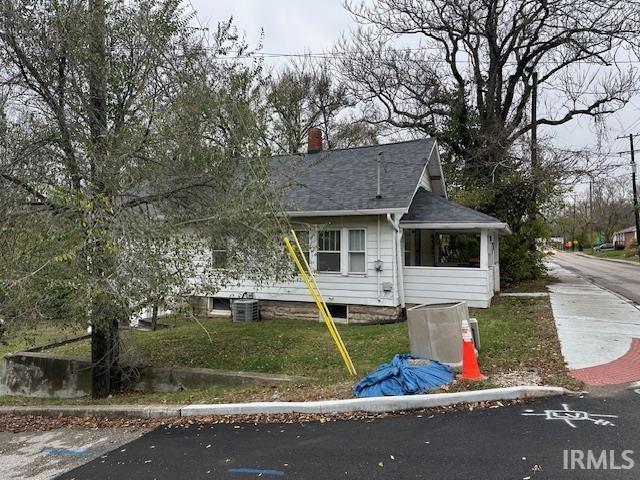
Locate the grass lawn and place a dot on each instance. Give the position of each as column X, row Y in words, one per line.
column 37, row 334
column 619, row 254
column 530, row 286
column 517, row 334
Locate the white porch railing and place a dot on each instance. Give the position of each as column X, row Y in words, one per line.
column 447, row 284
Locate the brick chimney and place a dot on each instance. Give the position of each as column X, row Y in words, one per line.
column 315, row 140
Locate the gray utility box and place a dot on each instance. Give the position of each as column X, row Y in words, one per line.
column 245, row 310
column 435, row 331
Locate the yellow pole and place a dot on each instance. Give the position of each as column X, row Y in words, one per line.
column 330, row 325
column 321, row 307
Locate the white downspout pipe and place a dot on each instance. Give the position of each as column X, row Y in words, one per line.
column 395, row 224
column 378, row 270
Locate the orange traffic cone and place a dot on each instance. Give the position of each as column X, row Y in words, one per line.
column 470, row 368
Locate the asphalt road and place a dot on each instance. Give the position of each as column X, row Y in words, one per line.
column 518, row 442
column 622, row 278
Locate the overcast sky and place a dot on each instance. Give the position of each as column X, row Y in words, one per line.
column 298, row 26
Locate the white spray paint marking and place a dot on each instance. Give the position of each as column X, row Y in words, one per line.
column 637, row 390
column 570, row 416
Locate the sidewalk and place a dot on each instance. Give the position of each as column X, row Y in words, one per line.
column 599, row 331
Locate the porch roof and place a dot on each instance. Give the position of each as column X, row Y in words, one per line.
column 429, row 210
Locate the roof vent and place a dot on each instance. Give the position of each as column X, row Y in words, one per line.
column 379, row 173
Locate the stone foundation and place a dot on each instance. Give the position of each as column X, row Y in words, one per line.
column 369, row 314
column 272, row 309
column 358, row 314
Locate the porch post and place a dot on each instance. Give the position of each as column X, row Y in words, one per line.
column 484, row 249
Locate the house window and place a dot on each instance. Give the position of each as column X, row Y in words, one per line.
column 219, row 257
column 329, row 251
column 303, row 240
column 357, row 253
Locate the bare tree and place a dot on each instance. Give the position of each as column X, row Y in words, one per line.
column 463, row 71
column 470, row 78
column 305, row 95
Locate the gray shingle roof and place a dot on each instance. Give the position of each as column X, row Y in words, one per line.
column 340, row 180
column 428, row 207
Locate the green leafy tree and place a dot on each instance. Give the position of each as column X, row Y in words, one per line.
column 129, row 147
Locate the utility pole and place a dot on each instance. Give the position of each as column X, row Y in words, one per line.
column 590, row 199
column 635, row 191
column 534, row 144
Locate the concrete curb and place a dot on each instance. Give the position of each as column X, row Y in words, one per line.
column 374, row 404
column 103, row 411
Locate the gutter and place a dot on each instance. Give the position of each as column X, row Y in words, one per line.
column 395, row 224
column 501, row 226
column 338, row 213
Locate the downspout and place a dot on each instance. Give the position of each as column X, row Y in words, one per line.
column 395, row 224
column 379, row 270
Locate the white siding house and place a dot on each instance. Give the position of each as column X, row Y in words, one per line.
column 381, row 236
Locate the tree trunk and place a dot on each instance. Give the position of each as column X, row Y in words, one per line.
column 105, row 341
column 106, row 313
column 154, row 316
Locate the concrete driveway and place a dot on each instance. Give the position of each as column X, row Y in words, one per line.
column 45, row 455
column 599, row 329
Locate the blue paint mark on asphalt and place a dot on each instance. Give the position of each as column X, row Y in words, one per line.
column 275, row 473
column 60, row 451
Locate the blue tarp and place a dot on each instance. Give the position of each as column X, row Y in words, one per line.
column 404, row 375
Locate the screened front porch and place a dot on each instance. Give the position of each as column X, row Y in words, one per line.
column 450, row 265
column 451, row 252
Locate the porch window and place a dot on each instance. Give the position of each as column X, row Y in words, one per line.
column 425, row 248
column 418, row 248
column 357, row 253
column 329, row 251
column 458, row 250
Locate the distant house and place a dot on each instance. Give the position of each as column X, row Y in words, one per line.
column 622, row 238
column 379, row 233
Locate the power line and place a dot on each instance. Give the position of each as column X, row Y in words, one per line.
column 346, row 54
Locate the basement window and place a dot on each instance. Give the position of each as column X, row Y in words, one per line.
column 219, row 304
column 338, row 311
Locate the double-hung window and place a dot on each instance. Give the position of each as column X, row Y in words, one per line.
column 329, row 251
column 219, row 255
column 303, row 240
column 357, row 251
